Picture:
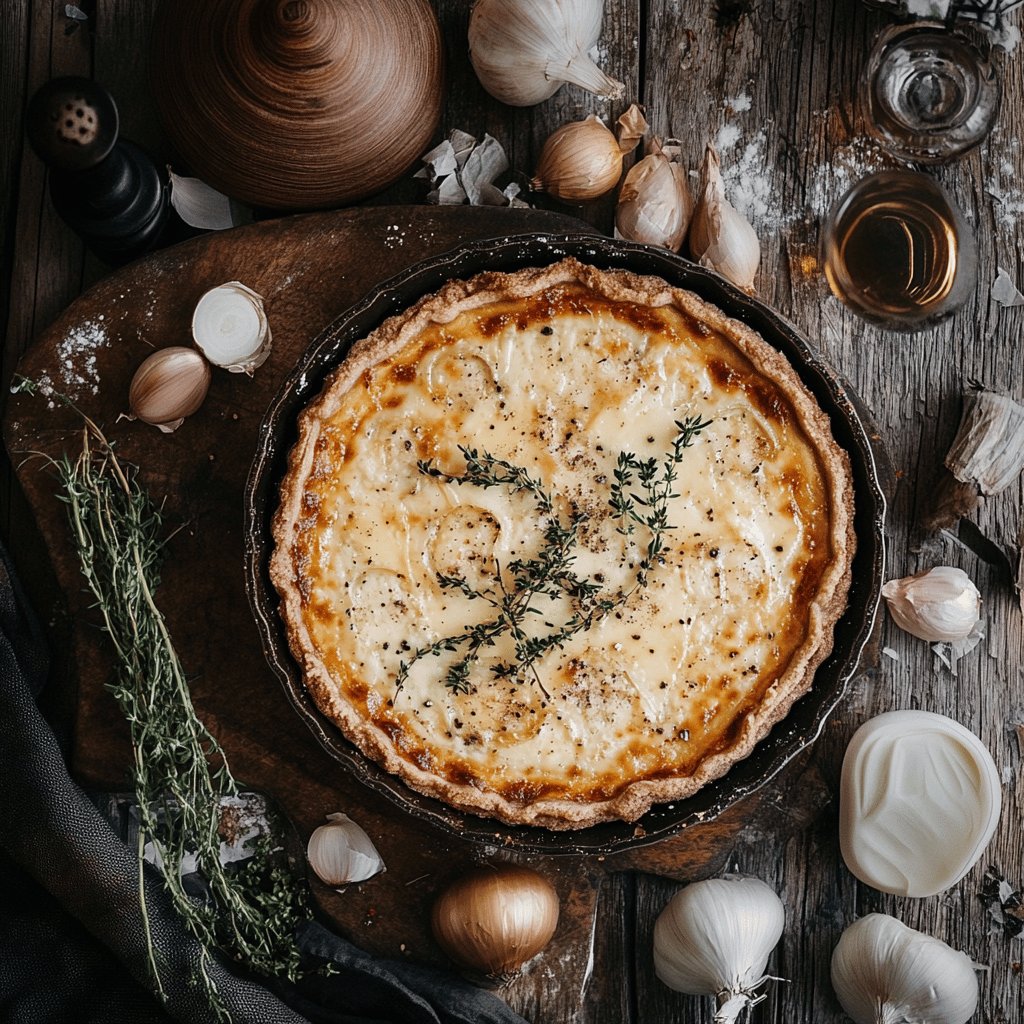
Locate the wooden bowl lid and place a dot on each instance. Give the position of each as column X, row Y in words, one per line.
column 298, row 104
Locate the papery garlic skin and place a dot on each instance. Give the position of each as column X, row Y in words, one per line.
column 714, row 938
column 940, row 605
column 721, row 238
column 341, row 853
column 988, row 449
column 524, row 50
column 583, row 159
column 230, row 328
column 919, row 802
column 886, row 973
column 655, row 204
column 169, row 385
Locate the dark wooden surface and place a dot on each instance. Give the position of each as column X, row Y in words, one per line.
column 200, row 471
column 778, row 78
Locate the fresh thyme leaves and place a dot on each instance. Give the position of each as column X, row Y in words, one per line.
column 656, row 488
column 639, row 497
column 181, row 774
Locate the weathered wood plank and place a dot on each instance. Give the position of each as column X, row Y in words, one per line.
column 800, row 144
column 45, row 267
column 121, row 58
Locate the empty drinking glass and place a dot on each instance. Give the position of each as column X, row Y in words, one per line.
column 928, row 93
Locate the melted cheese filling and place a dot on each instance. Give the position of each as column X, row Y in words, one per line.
column 560, row 386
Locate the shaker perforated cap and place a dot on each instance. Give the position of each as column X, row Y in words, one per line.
column 72, row 123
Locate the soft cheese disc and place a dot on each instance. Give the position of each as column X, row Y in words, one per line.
column 919, row 801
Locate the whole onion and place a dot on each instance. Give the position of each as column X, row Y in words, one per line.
column 494, row 920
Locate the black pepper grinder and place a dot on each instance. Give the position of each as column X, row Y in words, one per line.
column 105, row 188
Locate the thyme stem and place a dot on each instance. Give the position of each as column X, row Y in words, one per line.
column 550, row 572
column 180, row 772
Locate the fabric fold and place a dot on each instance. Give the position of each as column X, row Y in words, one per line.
column 88, row 905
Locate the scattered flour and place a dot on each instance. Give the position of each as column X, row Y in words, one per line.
column 1002, row 185
column 751, row 175
column 747, row 184
column 829, row 181
column 395, row 236
column 46, row 389
column 76, row 357
column 728, row 136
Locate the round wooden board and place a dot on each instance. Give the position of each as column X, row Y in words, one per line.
column 308, row 269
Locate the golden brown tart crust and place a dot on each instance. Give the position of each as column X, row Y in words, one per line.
column 558, row 369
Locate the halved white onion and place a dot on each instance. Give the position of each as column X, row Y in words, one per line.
column 230, row 328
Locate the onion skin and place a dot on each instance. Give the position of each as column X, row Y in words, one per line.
column 580, row 161
column 494, row 920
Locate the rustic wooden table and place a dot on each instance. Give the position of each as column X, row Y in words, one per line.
column 773, row 84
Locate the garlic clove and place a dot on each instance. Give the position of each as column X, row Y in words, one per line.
column 940, row 605
column 919, row 802
column 524, row 50
column 169, row 385
column 341, row 853
column 721, row 238
column 655, row 205
column 884, row 971
column 714, row 938
column 199, row 205
column 579, row 161
column 494, row 920
column 230, row 328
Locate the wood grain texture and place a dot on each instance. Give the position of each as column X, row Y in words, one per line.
column 801, row 143
column 778, row 77
column 313, row 102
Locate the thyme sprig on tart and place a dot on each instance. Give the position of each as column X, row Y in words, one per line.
column 550, row 572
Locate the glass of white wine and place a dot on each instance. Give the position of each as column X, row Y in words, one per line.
column 898, row 251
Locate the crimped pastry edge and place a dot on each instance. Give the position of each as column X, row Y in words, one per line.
column 444, row 305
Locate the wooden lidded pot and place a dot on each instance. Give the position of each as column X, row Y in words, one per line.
column 298, row 104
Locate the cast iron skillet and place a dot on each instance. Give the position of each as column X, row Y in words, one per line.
column 804, row 722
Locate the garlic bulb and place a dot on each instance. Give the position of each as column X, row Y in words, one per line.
column 341, row 853
column 940, row 605
column 493, row 920
column 168, row 386
column 886, row 973
column 583, row 159
column 986, row 456
column 721, row 238
column 524, row 50
column 655, row 204
column 715, row 937
column 919, row 801
column 230, row 328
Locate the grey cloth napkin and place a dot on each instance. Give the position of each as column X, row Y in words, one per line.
column 72, row 943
